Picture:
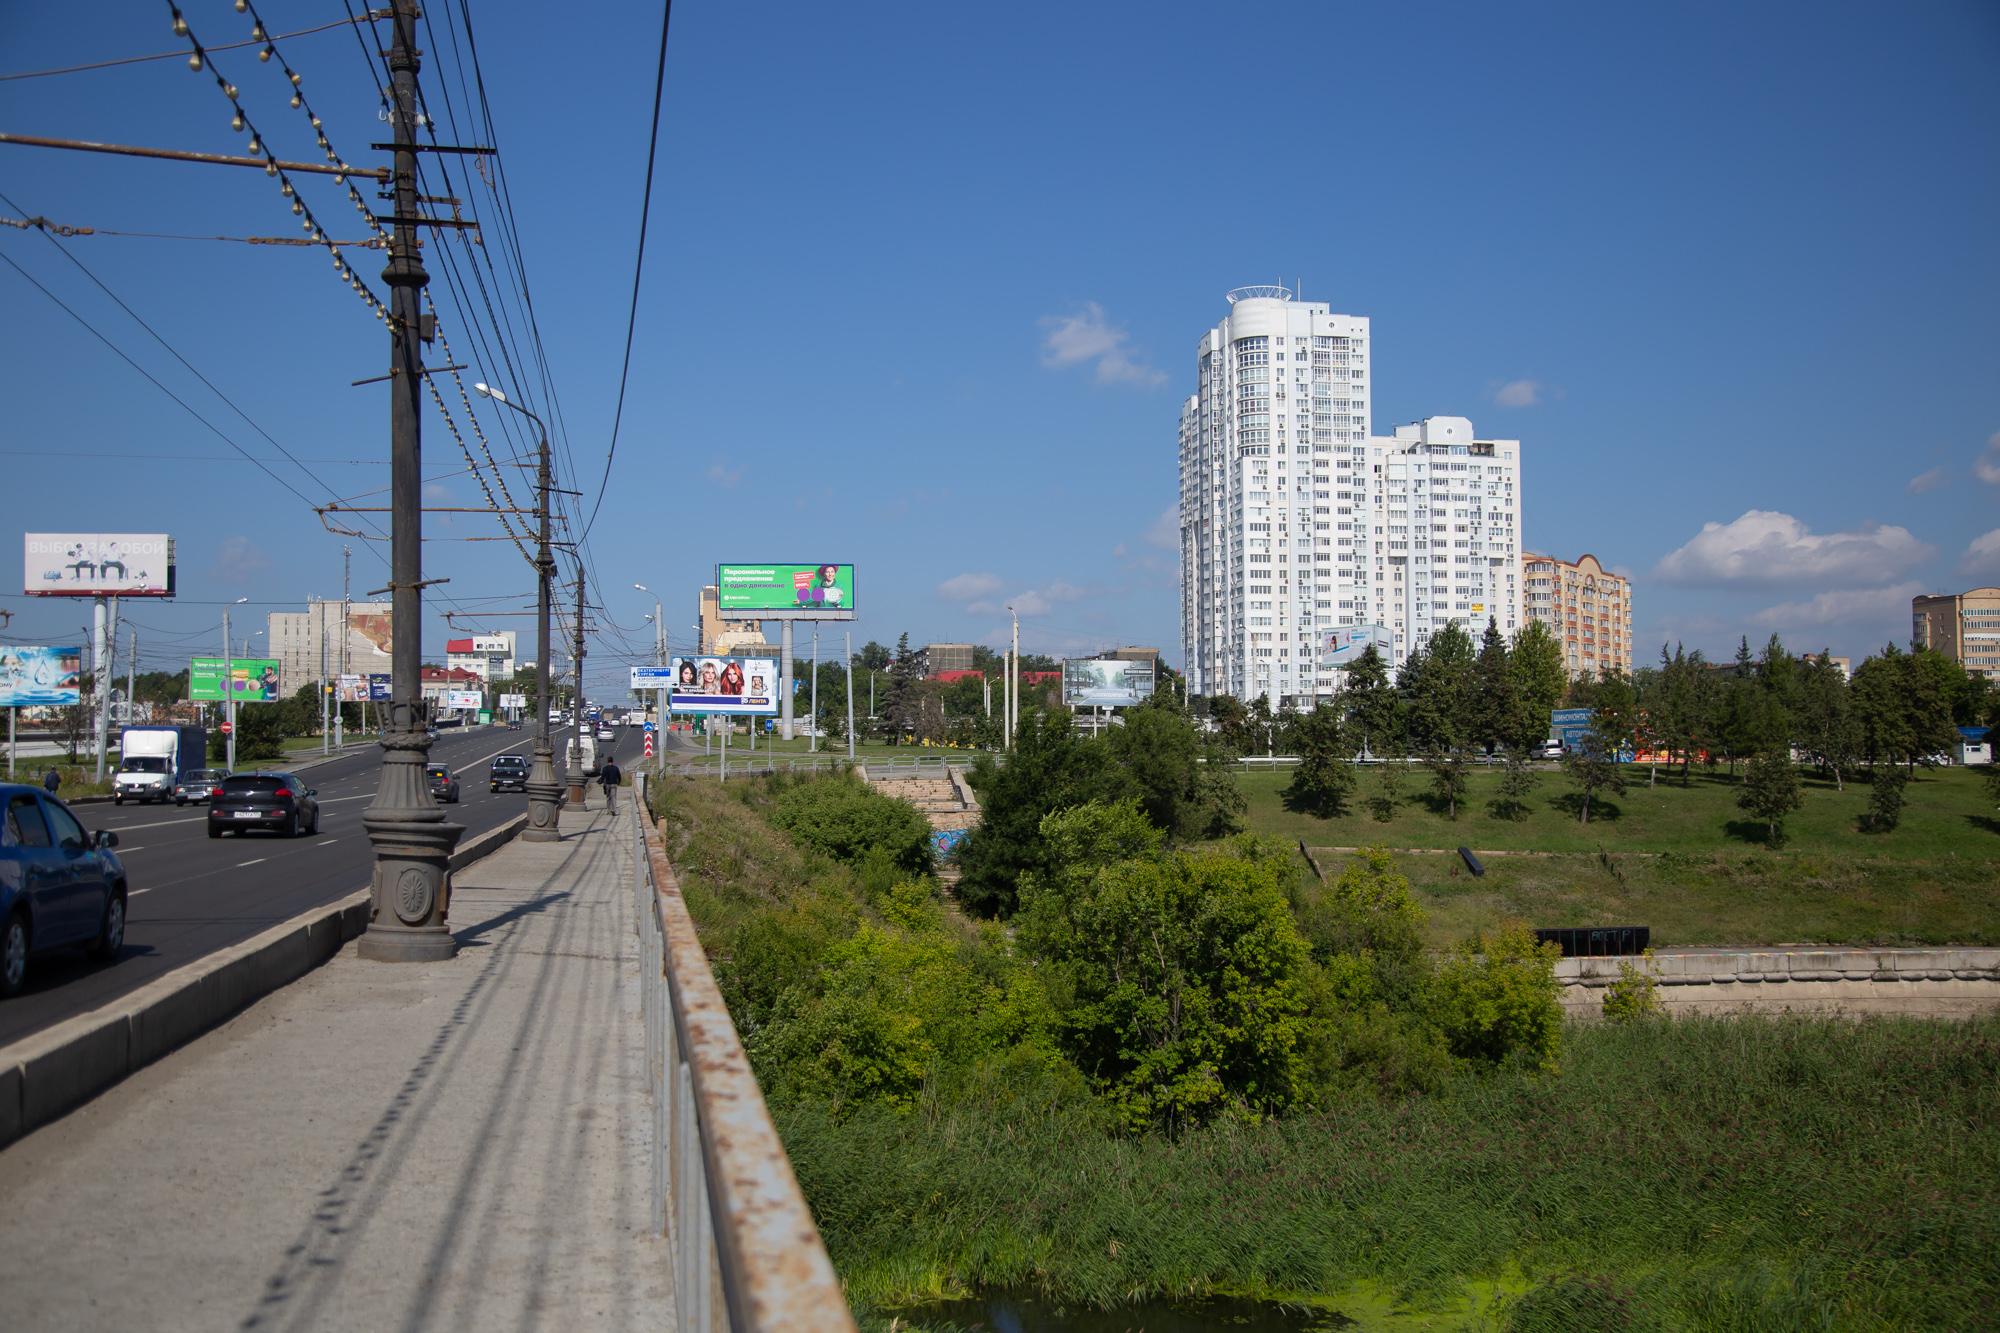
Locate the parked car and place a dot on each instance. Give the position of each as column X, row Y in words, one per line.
column 198, row 784
column 444, row 786
column 508, row 770
column 276, row 801
column 1551, row 749
column 59, row 885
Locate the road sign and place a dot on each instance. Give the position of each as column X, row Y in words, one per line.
column 649, row 728
column 652, row 677
column 649, row 743
column 228, row 727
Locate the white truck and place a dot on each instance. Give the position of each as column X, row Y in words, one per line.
column 153, row 759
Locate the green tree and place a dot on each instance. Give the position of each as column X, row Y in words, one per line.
column 1181, row 979
column 1592, row 767
column 1517, row 783
column 1448, row 779
column 1232, row 722
column 874, row 657
column 1885, row 797
column 1324, row 778
column 1051, row 768
column 1771, row 791
column 1437, row 686
column 1741, row 728
column 1498, row 1001
column 1824, row 722
column 1371, row 704
column 1389, row 775
column 1495, row 720
column 903, row 708
column 1537, row 681
column 1165, row 762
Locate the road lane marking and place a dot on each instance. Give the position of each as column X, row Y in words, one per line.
column 158, row 823
column 259, row 861
column 328, row 843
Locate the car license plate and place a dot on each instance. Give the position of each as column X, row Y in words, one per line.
column 249, row 814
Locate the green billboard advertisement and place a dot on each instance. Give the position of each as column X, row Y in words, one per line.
column 252, row 680
column 799, row 592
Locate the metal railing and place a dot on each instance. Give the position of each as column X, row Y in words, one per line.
column 747, row 1254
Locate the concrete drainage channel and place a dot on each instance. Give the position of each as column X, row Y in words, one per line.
column 44, row 1076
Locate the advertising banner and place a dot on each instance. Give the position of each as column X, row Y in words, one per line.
column 1339, row 647
column 353, row 689
column 785, row 592
column 97, row 564
column 1103, row 682
column 513, row 701
column 40, row 677
column 723, row 685
column 380, row 690
column 464, row 699
column 250, row 680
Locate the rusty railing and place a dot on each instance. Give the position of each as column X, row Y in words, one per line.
column 748, row 1257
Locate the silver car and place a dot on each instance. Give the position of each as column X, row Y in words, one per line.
column 197, row 783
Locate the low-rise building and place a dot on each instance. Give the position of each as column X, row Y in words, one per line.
column 1964, row 626
column 1586, row 607
column 939, row 658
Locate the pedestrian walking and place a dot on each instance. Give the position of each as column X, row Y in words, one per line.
column 50, row 781
column 610, row 777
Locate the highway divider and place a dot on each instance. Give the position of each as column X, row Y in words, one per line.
column 56, row 1070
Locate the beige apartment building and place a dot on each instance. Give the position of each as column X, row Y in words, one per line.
column 1963, row 626
column 1587, row 608
column 728, row 637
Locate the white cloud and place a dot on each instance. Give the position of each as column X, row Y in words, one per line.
column 1767, row 547
column 1032, row 601
column 1987, row 468
column 1166, row 530
column 724, row 476
column 1519, row 393
column 238, row 560
column 1927, row 481
column 1982, row 555
column 1891, row 604
column 962, row 586
column 1088, row 336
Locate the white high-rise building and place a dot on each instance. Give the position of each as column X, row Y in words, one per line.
column 1295, row 522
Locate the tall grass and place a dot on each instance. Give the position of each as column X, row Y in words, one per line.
column 1743, row 1173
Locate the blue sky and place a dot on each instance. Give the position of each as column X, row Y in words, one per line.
column 924, row 283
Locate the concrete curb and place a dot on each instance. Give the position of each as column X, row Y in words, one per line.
column 47, row 1075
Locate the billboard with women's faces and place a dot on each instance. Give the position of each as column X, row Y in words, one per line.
column 723, row 685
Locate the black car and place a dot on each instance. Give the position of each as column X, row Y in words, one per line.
column 508, row 770
column 59, row 885
column 276, row 801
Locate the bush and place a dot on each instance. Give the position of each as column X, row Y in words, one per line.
column 1635, row 995
column 1496, row 1000
column 1885, row 797
column 845, row 820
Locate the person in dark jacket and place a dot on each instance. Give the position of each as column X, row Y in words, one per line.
column 610, row 777
column 50, row 781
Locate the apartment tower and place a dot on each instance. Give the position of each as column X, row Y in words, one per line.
column 1963, row 626
column 1586, row 607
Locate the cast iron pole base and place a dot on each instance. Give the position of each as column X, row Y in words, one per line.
column 544, row 798
column 411, row 895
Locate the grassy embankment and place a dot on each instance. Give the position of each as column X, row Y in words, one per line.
column 1686, row 862
column 1696, row 1174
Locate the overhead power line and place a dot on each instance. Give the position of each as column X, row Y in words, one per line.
column 165, row 55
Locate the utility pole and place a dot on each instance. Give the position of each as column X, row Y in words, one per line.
column 411, row 893
column 339, row 713
column 576, row 773
column 543, row 789
column 104, row 649
column 131, row 676
column 847, row 636
column 228, row 699
column 1014, row 680
column 325, row 735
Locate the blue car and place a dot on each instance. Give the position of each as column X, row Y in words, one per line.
column 60, row 886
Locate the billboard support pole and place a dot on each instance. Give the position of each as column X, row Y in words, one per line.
column 12, row 713
column 228, row 700
column 98, row 675
column 847, row 638
column 784, row 678
column 815, row 691
column 411, row 892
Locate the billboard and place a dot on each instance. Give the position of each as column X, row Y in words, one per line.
column 353, row 689
column 39, row 677
column 252, row 680
column 785, row 592
column 97, row 564
column 464, row 699
column 380, row 688
column 1105, row 682
column 513, row 701
column 1339, row 647
column 723, row 685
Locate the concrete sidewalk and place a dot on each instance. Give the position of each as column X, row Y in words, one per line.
column 454, row 1145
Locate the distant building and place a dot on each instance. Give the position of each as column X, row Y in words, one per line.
column 939, row 658
column 1133, row 654
column 1963, row 626
column 1586, row 607
column 487, row 656
column 436, row 683
column 296, row 637
column 953, row 677
column 726, row 637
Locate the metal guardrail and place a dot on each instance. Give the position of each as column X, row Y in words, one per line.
column 748, row 1257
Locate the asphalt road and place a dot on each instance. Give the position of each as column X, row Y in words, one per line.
column 190, row 894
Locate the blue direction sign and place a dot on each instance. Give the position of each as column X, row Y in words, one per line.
column 652, row 678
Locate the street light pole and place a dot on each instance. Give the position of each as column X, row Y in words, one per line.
column 411, row 892
column 543, row 788
column 659, row 695
column 576, row 774
column 228, row 694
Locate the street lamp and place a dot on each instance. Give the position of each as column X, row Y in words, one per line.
column 543, row 789
column 229, row 691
